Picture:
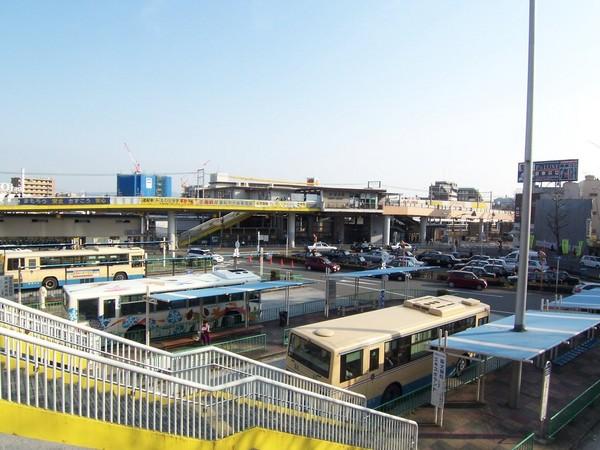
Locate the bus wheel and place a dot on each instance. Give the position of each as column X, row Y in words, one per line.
column 119, row 276
column 50, row 283
column 391, row 392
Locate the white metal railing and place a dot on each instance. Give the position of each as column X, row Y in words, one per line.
column 192, row 365
column 46, row 375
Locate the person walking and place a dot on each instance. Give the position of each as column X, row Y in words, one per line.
column 205, row 333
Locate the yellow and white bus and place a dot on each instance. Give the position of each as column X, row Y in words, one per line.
column 55, row 268
column 381, row 354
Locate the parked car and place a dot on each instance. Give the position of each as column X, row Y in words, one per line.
column 377, row 256
column 428, row 254
column 400, row 276
column 462, row 279
column 479, row 271
column 205, row 254
column 320, row 263
column 321, row 247
column 479, row 257
column 354, row 258
column 593, row 262
column 534, row 266
column 564, row 277
column 402, row 246
column 496, row 269
column 582, row 287
column 410, row 261
column 362, row 247
column 442, row 260
column 338, row 254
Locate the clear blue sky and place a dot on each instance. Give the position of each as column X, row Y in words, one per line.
column 406, row 92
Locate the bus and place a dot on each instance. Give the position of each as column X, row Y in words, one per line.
column 382, row 354
column 119, row 307
column 55, row 268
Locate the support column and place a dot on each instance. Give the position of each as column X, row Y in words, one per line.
column 172, row 230
column 387, row 221
column 423, row 230
column 376, row 229
column 291, row 230
column 338, row 229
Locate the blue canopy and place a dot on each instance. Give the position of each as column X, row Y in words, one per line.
column 544, row 331
column 380, row 272
column 588, row 300
column 226, row 290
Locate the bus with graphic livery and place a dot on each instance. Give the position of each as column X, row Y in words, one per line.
column 119, row 307
column 382, row 354
column 55, row 268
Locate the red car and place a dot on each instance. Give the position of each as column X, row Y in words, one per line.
column 320, row 263
column 460, row 279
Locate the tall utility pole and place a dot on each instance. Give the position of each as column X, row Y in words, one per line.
column 521, row 299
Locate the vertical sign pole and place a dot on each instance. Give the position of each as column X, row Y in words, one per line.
column 148, row 315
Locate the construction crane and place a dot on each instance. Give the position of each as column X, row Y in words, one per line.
column 137, row 168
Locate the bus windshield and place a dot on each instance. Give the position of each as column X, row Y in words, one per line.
column 310, row 355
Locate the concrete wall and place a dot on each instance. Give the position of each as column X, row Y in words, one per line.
column 88, row 226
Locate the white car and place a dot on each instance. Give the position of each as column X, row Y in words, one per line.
column 321, row 247
column 410, row 261
column 582, row 287
column 401, row 245
column 590, row 261
column 206, row 254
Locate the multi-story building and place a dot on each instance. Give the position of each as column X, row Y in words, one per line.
column 443, row 190
column 467, row 194
column 35, row 187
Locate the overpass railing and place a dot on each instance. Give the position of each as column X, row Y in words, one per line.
column 192, row 365
column 46, row 375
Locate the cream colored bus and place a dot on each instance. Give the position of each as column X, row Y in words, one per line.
column 383, row 353
column 55, row 268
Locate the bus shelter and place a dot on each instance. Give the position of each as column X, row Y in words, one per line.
column 383, row 273
column 244, row 289
column 545, row 332
column 584, row 301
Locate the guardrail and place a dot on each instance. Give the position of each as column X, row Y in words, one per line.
column 99, row 388
column 526, row 443
column 84, row 203
column 566, row 415
column 187, row 365
column 422, row 396
column 245, row 344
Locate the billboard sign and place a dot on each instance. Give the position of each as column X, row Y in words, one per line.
column 438, row 379
column 552, row 171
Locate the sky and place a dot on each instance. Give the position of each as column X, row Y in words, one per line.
column 402, row 92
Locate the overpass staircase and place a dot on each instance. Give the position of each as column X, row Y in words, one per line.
column 212, row 226
column 109, row 392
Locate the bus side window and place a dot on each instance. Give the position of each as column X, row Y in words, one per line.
column 396, row 352
column 483, row 321
column 373, row 359
column 31, row 263
column 351, row 365
column 14, row 263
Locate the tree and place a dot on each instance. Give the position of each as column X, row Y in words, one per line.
column 556, row 219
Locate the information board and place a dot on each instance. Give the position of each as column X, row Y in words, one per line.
column 438, row 379
column 552, row 171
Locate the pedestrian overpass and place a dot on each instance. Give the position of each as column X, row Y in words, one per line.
column 65, row 382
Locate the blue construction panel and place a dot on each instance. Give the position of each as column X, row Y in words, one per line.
column 544, row 331
column 380, row 272
column 227, row 290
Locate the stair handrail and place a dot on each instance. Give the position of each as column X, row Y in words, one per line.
column 347, row 423
column 120, row 348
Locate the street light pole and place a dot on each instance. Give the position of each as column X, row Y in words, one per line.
column 521, row 299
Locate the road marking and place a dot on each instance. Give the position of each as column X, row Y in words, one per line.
column 475, row 293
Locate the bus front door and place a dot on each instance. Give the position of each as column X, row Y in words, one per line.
column 374, row 366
